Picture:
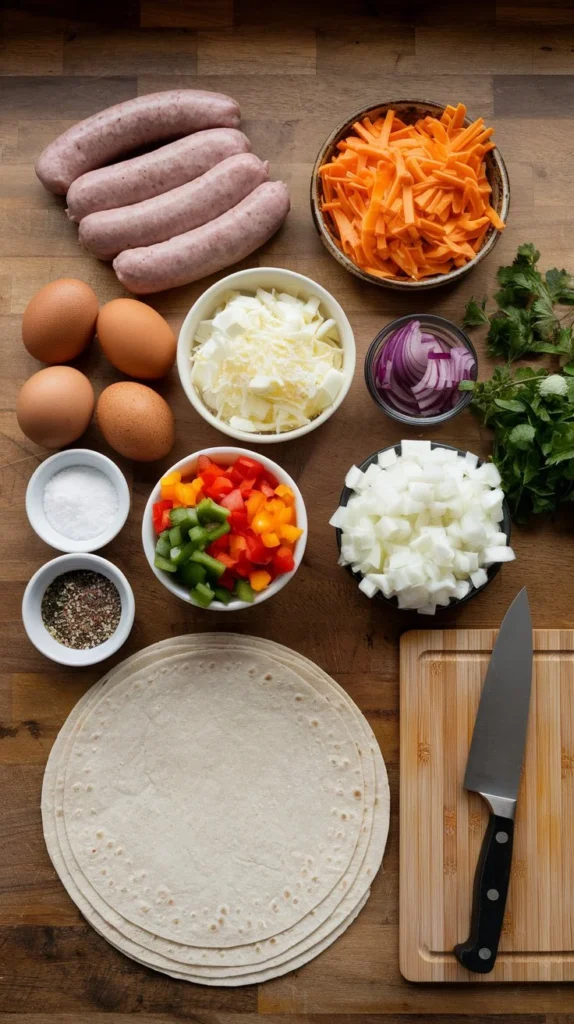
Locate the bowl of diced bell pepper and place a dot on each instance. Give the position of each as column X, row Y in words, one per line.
column 225, row 529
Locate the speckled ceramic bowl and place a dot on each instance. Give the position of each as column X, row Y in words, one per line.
column 409, row 111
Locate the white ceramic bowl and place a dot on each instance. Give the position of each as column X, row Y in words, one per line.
column 35, row 499
column 224, row 456
column 249, row 281
column 32, row 610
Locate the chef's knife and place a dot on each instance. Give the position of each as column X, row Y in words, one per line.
column 493, row 770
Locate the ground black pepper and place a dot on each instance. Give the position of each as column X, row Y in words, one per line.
column 81, row 609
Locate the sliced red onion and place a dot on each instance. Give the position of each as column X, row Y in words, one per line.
column 419, row 372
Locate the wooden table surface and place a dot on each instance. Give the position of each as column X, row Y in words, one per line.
column 297, row 69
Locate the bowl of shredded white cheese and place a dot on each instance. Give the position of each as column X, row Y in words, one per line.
column 266, row 355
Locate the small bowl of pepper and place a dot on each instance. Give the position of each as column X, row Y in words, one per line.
column 225, row 529
column 78, row 609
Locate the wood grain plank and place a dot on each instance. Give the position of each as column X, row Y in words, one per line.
column 252, row 51
column 32, row 45
column 34, row 98
column 189, row 14
column 106, row 53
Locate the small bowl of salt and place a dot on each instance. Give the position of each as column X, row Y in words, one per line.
column 77, row 500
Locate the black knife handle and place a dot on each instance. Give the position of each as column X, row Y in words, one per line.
column 491, row 882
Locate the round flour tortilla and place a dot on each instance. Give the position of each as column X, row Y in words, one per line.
column 215, row 800
column 301, row 951
column 382, row 811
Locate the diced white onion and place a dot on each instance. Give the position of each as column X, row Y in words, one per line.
column 423, row 526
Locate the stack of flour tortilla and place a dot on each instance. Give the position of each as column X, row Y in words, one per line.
column 217, row 807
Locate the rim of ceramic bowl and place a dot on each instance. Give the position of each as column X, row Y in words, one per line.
column 496, row 173
column 491, row 572
column 36, row 631
column 251, row 279
column 54, row 464
column 227, row 454
column 432, row 320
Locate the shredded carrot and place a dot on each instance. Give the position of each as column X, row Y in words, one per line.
column 411, row 200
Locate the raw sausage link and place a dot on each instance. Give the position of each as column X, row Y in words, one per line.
column 207, row 249
column 126, row 126
column 142, row 177
column 108, row 232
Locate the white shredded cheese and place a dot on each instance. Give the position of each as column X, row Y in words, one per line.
column 423, row 526
column 267, row 362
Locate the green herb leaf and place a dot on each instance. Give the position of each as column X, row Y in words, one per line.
column 510, row 404
column 522, row 435
column 474, row 314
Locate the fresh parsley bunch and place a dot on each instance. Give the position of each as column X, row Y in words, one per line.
column 532, row 415
column 526, row 320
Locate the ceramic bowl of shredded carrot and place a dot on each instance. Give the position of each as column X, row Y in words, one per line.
column 411, row 194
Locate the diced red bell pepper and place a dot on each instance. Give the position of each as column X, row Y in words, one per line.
column 202, row 463
column 221, row 544
column 243, row 568
column 246, row 486
column 238, row 521
column 246, row 467
column 226, row 580
column 267, row 489
column 211, row 473
column 233, row 501
column 271, row 478
column 283, row 560
column 160, row 513
column 221, row 486
column 256, row 550
column 227, row 560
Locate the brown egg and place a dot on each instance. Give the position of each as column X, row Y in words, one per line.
column 55, row 406
column 136, row 339
column 60, row 320
column 136, row 421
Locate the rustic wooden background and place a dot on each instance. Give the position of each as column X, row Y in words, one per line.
column 297, row 69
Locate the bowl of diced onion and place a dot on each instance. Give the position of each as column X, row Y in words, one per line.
column 423, row 526
column 266, row 355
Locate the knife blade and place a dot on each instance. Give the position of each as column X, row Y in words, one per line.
column 493, row 770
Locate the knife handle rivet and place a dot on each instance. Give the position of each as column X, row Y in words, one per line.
column 492, row 894
column 501, row 837
column 484, row 953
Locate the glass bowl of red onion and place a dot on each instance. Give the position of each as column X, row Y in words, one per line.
column 414, row 367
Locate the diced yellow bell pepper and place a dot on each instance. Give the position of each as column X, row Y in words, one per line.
column 274, row 505
column 171, row 478
column 270, row 540
column 254, row 503
column 289, row 533
column 285, row 493
column 259, row 580
column 262, row 522
column 285, row 515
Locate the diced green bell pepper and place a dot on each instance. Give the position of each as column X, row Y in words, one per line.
column 164, row 563
column 163, row 546
column 181, row 555
column 183, row 517
column 213, row 566
column 199, row 536
column 176, row 537
column 244, row 591
column 215, row 532
column 190, row 574
column 209, row 512
column 223, row 595
column 202, row 594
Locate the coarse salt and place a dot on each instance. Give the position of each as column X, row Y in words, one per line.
column 80, row 502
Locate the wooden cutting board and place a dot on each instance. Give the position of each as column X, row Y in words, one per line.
column 442, row 825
